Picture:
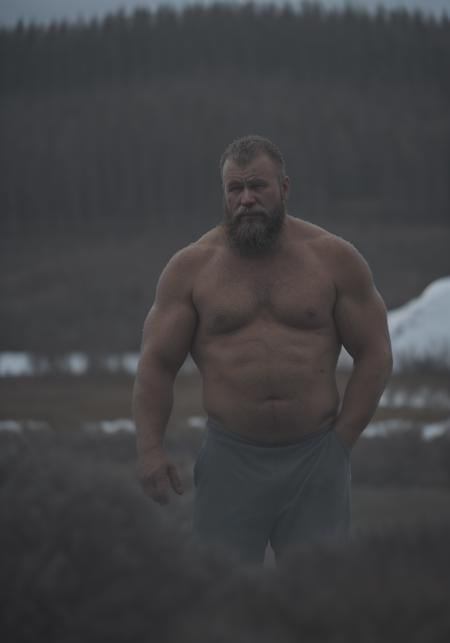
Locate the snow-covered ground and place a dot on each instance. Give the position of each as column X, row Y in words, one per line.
column 420, row 330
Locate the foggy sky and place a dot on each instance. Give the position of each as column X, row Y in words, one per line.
column 44, row 11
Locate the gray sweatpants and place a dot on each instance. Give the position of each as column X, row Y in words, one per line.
column 249, row 493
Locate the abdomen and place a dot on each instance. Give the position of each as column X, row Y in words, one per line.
column 271, row 384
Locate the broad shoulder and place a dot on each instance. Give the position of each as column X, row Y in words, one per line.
column 345, row 264
column 304, row 232
column 184, row 266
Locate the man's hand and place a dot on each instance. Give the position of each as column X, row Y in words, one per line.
column 157, row 474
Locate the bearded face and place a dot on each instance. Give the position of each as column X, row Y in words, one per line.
column 254, row 231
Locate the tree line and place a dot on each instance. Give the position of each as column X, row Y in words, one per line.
column 307, row 44
column 121, row 122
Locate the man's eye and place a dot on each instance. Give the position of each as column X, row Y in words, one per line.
column 233, row 188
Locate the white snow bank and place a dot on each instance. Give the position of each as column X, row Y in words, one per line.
column 419, row 330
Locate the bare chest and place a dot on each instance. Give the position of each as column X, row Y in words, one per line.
column 296, row 295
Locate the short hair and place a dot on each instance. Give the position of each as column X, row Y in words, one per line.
column 245, row 149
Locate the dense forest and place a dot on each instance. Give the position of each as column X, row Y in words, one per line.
column 307, row 45
column 121, row 122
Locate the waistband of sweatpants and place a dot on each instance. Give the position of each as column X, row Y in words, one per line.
column 217, row 430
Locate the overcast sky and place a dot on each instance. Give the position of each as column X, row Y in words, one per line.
column 47, row 10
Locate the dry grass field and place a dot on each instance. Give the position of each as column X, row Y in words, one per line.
column 84, row 555
column 397, row 480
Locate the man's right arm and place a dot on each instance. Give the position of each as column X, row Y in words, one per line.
column 168, row 332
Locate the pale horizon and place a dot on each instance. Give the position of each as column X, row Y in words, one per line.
column 47, row 11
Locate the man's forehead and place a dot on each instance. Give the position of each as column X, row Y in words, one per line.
column 262, row 166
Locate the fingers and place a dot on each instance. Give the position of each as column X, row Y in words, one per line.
column 175, row 479
column 158, row 484
column 160, row 488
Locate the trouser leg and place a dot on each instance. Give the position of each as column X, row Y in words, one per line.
column 231, row 508
column 319, row 504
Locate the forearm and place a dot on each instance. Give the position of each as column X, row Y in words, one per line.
column 362, row 394
column 152, row 405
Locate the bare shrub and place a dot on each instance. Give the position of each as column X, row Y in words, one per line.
column 84, row 556
column 436, row 362
column 403, row 459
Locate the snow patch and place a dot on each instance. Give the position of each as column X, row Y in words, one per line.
column 119, row 425
column 386, row 428
column 17, row 426
column 421, row 398
column 22, row 364
column 419, row 330
column 436, row 430
column 15, row 364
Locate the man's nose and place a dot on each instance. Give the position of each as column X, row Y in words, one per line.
column 247, row 197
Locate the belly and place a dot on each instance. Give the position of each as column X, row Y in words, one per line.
column 271, row 388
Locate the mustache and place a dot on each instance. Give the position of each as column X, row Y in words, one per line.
column 245, row 212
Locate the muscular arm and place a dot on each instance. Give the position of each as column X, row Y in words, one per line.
column 360, row 317
column 168, row 332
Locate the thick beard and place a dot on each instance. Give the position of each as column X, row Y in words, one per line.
column 255, row 232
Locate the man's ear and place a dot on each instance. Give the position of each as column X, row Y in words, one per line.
column 285, row 182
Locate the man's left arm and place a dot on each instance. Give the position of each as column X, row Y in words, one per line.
column 360, row 316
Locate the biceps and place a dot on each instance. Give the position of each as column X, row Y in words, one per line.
column 168, row 335
column 362, row 325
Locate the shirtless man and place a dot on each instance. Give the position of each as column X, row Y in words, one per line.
column 263, row 302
